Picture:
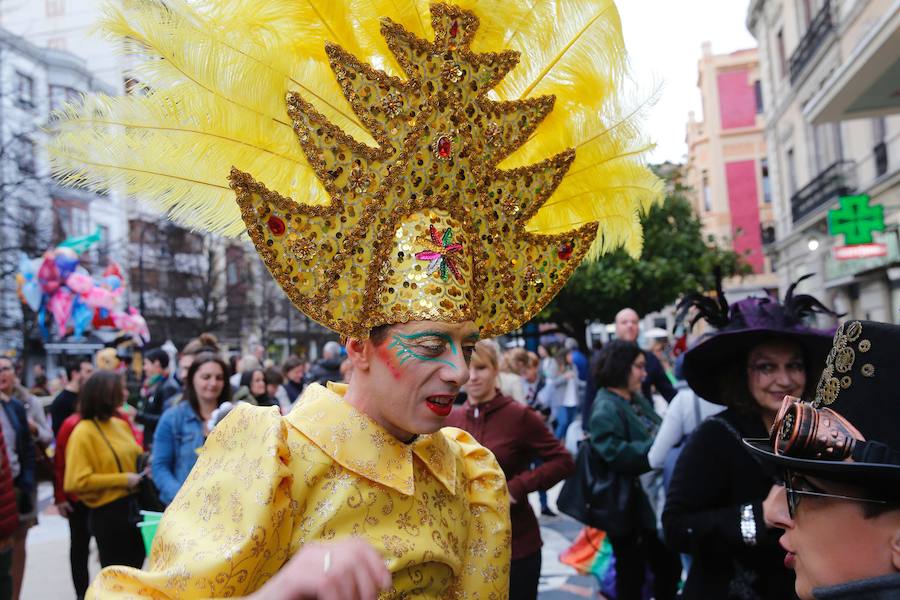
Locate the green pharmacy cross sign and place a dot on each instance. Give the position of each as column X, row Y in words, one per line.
column 856, row 220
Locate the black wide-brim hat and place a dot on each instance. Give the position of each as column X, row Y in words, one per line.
column 861, row 383
column 751, row 322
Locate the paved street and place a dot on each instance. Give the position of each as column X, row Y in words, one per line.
column 47, row 574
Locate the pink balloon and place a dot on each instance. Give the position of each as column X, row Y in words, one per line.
column 60, row 306
column 48, row 276
column 99, row 297
column 80, row 283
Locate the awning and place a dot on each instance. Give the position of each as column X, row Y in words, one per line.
column 867, row 84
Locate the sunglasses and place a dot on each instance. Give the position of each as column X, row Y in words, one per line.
column 796, row 486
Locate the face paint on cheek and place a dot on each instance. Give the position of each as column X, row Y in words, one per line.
column 390, row 360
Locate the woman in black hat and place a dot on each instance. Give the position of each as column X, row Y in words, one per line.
column 840, row 456
column 719, row 494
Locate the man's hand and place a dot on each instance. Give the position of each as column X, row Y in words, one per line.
column 347, row 570
column 65, row 509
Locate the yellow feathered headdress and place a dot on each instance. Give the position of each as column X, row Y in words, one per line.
column 392, row 160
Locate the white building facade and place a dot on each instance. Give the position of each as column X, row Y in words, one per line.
column 830, row 73
column 35, row 211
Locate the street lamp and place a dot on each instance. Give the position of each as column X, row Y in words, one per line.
column 813, row 244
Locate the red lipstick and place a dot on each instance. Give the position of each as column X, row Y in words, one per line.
column 440, row 405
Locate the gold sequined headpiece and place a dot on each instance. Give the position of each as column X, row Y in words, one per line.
column 424, row 225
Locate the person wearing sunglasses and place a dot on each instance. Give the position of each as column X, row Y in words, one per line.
column 840, row 459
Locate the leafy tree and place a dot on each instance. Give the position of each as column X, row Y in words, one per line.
column 676, row 259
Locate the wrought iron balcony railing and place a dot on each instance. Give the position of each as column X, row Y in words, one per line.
column 819, row 29
column 835, row 181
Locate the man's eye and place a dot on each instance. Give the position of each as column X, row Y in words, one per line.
column 432, row 349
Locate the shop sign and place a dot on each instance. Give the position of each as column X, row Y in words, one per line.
column 841, row 267
column 860, row 251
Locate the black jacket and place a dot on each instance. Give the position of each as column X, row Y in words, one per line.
column 152, row 408
column 656, row 378
column 886, row 587
column 324, row 371
column 18, row 418
column 714, row 478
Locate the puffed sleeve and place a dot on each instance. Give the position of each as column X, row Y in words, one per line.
column 229, row 528
column 485, row 570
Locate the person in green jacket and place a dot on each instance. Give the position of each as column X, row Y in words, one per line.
column 622, row 426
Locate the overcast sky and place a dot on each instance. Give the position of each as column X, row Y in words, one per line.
column 663, row 38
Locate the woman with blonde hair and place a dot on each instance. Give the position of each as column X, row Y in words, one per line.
column 518, row 436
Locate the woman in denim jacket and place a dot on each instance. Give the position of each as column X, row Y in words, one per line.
column 182, row 429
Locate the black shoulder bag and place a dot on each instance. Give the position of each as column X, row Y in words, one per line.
column 146, row 496
column 599, row 496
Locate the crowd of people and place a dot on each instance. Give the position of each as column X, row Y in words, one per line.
column 705, row 514
column 96, row 441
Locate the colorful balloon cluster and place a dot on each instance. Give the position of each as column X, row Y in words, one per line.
column 57, row 285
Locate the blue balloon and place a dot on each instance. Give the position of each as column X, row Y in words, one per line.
column 66, row 265
column 113, row 282
column 82, row 315
column 31, row 291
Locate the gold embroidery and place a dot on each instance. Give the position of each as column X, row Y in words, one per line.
column 868, row 370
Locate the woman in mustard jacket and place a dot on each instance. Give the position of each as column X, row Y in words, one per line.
column 101, row 457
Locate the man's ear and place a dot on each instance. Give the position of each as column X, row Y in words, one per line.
column 895, row 549
column 360, row 353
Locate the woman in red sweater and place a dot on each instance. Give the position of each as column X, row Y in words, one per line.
column 517, row 435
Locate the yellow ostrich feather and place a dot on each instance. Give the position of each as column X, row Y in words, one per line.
column 215, row 75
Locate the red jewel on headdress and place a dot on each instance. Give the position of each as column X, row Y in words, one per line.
column 454, row 29
column 565, row 251
column 276, row 225
column 444, row 147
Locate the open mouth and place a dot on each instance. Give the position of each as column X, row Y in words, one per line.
column 440, row 405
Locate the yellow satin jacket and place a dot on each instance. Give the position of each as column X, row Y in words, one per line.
column 436, row 509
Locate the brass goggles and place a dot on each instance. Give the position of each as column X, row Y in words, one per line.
column 803, row 431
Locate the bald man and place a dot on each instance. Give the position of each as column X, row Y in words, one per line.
column 628, row 326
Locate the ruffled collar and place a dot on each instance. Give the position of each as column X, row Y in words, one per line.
column 361, row 445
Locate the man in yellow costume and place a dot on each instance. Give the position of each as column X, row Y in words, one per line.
column 377, row 202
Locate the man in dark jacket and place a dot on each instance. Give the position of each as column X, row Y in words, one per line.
column 627, row 328
column 77, row 372
column 328, row 368
column 158, row 388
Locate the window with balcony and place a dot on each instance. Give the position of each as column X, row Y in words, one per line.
column 758, row 96
column 879, row 135
column 707, row 194
column 766, row 183
column 782, row 55
column 24, row 90
column 824, row 190
column 103, row 248
column 819, row 30
column 23, row 154
column 791, row 171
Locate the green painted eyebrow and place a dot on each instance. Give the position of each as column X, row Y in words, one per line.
column 423, row 334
